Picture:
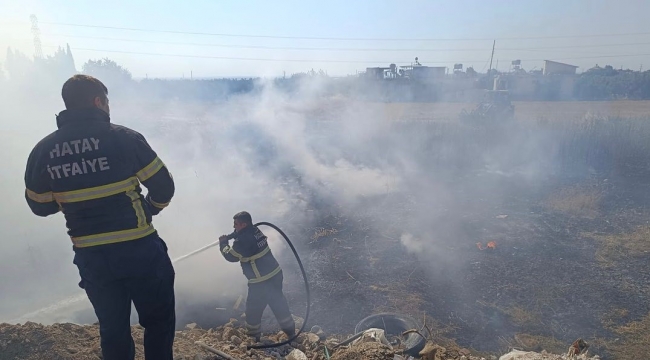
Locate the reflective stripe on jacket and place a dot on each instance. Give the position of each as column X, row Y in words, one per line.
column 252, row 250
column 91, row 171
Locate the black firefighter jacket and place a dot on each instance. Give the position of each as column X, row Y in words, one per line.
column 91, row 170
column 251, row 249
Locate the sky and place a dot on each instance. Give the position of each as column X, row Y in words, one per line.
column 345, row 37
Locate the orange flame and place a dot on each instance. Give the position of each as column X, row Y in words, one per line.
column 490, row 245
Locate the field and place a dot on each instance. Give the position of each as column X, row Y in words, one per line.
column 530, row 110
column 562, row 192
column 392, row 207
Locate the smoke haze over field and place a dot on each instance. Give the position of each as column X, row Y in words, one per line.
column 388, row 192
column 283, row 157
column 381, row 200
column 254, row 152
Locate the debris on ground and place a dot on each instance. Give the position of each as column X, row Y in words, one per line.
column 529, row 355
column 32, row 341
column 373, row 335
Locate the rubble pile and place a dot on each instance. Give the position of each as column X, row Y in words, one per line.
column 32, row 341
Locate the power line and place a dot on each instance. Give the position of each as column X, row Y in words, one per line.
column 333, row 61
column 340, row 49
column 338, row 38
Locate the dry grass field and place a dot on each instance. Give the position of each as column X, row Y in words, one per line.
column 524, row 110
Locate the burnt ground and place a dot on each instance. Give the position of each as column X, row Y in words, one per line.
column 551, row 278
column 542, row 287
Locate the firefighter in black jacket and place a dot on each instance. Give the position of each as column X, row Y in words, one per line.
column 91, row 171
column 263, row 272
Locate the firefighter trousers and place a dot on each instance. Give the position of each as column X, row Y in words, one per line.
column 268, row 293
column 138, row 271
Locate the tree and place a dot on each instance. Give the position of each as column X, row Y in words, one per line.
column 18, row 65
column 108, row 71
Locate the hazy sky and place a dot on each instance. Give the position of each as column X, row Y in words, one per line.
column 455, row 32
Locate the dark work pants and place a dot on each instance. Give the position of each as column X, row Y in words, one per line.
column 268, row 293
column 113, row 276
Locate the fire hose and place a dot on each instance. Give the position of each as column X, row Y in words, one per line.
column 302, row 270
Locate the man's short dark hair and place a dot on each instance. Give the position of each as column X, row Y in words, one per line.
column 243, row 217
column 80, row 91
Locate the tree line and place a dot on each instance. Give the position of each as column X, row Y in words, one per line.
column 41, row 75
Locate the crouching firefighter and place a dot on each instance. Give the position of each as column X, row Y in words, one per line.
column 91, row 170
column 264, row 274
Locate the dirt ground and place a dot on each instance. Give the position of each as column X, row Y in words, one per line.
column 76, row 342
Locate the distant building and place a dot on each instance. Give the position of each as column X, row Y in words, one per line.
column 376, row 72
column 558, row 68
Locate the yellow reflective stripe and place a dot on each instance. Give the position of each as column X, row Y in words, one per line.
column 225, row 249
column 137, row 207
column 40, row 198
column 150, row 170
column 253, row 329
column 255, row 269
column 112, row 237
column 158, row 205
column 97, row 192
column 256, row 256
column 235, row 254
column 265, row 277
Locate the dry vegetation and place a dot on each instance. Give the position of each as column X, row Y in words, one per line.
column 576, row 201
column 615, row 248
column 538, row 343
column 517, row 314
column 529, row 110
column 521, row 316
column 634, row 340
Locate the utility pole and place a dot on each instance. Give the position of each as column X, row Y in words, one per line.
column 492, row 57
